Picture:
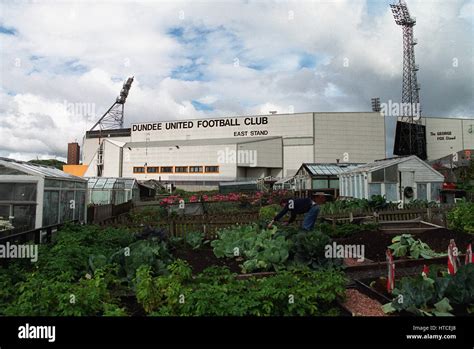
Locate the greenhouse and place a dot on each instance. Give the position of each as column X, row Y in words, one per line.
column 103, row 190
column 33, row 196
column 402, row 178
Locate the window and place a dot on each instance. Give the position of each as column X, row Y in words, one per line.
column 435, row 188
column 391, row 191
column 334, row 183
column 391, row 174
column 211, row 169
column 139, row 169
column 152, row 169
column 378, row 176
column 195, row 169
column 374, row 189
column 320, row 183
column 181, row 169
column 166, row 169
column 421, row 191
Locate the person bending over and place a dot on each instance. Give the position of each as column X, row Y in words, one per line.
column 306, row 206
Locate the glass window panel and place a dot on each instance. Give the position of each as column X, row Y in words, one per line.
column 24, row 192
column 110, row 183
column 375, row 189
column 320, row 183
column 66, row 213
column 6, row 191
column 50, row 207
column 4, row 212
column 391, row 191
column 51, row 183
column 91, row 182
column 435, row 188
column 378, row 176
column 24, row 216
column 80, row 204
column 421, row 191
column 391, row 174
column 10, row 171
column 67, row 184
column 100, row 183
column 334, row 183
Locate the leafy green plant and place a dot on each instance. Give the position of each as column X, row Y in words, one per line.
column 405, row 244
column 260, row 247
column 268, row 212
column 461, row 217
column 216, row 292
column 308, row 248
column 194, row 239
column 433, row 295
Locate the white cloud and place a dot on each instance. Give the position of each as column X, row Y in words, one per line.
column 80, row 53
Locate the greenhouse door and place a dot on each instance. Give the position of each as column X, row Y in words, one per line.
column 407, row 182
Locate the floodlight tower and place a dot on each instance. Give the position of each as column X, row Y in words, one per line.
column 113, row 117
column 412, row 135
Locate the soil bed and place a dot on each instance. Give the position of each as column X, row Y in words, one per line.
column 376, row 242
column 203, row 258
column 361, row 305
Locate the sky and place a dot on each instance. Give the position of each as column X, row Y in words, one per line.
column 63, row 63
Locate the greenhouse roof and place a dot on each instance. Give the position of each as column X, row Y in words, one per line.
column 328, row 169
column 16, row 167
column 111, row 183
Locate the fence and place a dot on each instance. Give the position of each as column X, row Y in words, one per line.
column 209, row 224
column 98, row 214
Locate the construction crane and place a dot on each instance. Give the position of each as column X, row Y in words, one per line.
column 113, row 117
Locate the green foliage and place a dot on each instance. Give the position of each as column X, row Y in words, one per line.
column 148, row 215
column 194, row 239
column 268, row 212
column 42, row 296
column 49, row 162
column 216, row 292
column 143, row 252
column 461, row 217
column 405, row 244
column 308, row 248
column 162, row 295
column 261, row 249
column 346, row 229
column 433, row 295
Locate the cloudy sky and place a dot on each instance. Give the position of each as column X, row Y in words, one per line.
column 63, row 62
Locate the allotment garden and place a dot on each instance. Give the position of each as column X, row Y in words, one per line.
column 226, row 262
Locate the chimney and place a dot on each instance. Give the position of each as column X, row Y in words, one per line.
column 73, row 153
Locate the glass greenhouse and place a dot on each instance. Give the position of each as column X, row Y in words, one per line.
column 115, row 191
column 34, row 196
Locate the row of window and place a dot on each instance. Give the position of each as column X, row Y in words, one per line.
column 176, row 169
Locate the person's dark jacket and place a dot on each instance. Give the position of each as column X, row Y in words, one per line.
column 299, row 206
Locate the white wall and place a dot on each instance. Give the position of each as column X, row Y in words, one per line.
column 294, row 156
column 202, row 155
column 268, row 153
column 445, row 136
column 278, row 125
column 358, row 136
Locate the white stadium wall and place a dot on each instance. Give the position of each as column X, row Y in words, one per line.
column 446, row 136
column 281, row 142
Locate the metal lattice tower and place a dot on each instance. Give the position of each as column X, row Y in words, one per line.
column 412, row 135
column 113, row 117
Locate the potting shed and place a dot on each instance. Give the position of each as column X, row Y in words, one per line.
column 34, row 196
column 401, row 178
